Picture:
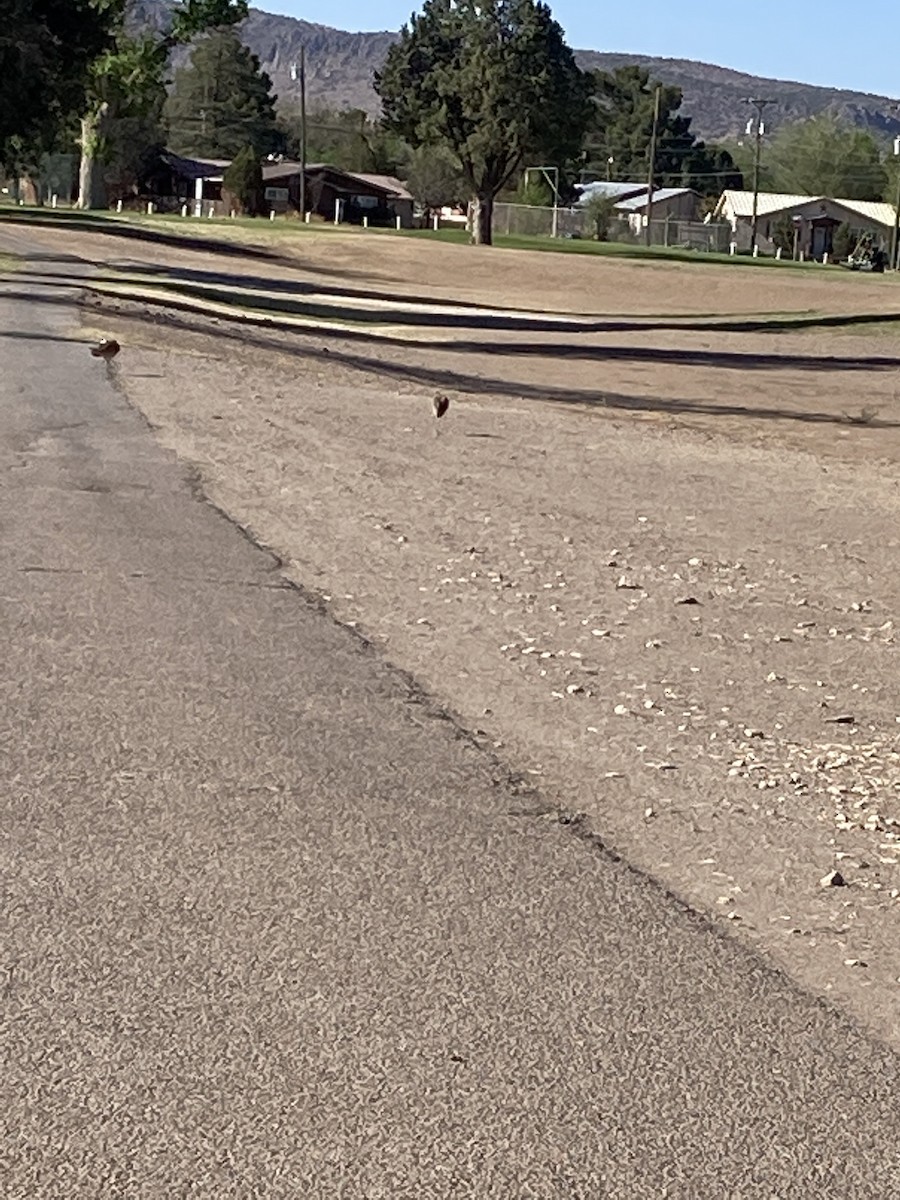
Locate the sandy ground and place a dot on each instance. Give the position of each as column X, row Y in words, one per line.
column 653, row 568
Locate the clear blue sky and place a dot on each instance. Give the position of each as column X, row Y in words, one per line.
column 829, row 43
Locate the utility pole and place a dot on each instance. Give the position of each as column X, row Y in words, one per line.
column 301, row 73
column 759, row 105
column 656, row 103
column 895, row 234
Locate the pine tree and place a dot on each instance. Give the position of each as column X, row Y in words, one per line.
column 222, row 102
column 621, row 130
column 494, row 82
column 244, row 181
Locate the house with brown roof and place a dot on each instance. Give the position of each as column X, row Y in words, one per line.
column 337, row 195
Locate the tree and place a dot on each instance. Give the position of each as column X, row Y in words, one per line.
column 824, row 157
column 494, row 82
column 434, row 177
column 125, row 80
column 46, row 51
column 244, row 180
column 222, row 101
column 622, row 126
column 600, row 211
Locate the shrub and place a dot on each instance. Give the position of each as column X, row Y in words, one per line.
column 244, row 182
column 600, row 211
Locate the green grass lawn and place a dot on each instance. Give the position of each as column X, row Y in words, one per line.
column 281, row 229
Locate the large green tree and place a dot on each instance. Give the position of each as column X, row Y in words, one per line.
column 125, row 81
column 46, row 51
column 494, row 82
column 222, row 102
column 819, row 157
column 622, row 126
column 825, row 157
column 434, row 178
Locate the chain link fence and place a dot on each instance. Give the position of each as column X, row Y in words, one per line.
column 525, row 220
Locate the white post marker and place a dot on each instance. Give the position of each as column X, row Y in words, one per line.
column 825, row 259
column 365, row 222
column 118, row 206
column 271, row 214
column 755, row 251
column 149, row 208
column 211, row 213
column 53, row 200
column 398, row 222
column 778, row 254
column 184, row 210
column 307, row 217
column 732, row 248
column 437, row 222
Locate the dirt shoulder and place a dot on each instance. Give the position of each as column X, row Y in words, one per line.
column 652, row 574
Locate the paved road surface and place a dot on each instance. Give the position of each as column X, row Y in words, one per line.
column 272, row 928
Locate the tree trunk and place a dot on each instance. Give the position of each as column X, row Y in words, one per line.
column 91, row 184
column 483, row 221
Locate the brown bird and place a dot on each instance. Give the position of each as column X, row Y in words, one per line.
column 106, row 348
column 440, row 404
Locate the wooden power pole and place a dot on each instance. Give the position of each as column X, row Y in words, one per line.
column 759, row 105
column 652, row 167
column 303, row 133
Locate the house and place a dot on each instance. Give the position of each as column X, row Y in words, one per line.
column 176, row 180
column 630, row 202
column 814, row 220
column 676, row 204
column 339, row 195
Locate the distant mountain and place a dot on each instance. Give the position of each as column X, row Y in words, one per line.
column 340, row 67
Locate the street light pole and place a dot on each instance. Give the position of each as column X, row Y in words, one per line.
column 759, row 105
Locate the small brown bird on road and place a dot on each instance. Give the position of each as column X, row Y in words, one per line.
column 106, row 348
column 440, row 404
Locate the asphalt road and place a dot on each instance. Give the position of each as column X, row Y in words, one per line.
column 273, row 927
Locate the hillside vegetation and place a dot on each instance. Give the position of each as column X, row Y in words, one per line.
column 340, row 67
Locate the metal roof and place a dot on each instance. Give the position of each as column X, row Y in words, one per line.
column 633, row 203
column 741, row 205
column 873, row 210
column 605, row 187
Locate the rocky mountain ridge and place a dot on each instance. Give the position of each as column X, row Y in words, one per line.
column 340, row 67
